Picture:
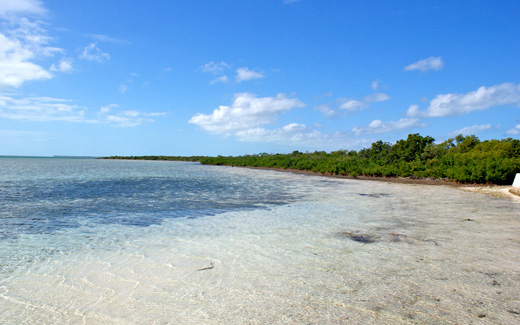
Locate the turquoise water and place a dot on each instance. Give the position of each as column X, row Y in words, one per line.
column 101, row 241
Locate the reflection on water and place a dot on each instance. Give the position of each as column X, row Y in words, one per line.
column 340, row 251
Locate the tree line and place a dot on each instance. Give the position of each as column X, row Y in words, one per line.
column 463, row 159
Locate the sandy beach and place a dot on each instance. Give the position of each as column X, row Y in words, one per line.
column 503, row 191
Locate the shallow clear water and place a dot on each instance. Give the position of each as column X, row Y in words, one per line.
column 96, row 241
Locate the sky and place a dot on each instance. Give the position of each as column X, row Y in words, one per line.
column 205, row 77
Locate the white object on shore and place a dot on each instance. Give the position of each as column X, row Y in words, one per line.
column 516, row 182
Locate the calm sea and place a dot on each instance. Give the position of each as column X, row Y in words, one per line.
column 103, row 241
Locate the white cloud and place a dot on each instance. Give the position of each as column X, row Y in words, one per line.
column 471, row 130
column 244, row 74
column 377, row 97
column 246, row 112
column 106, row 109
column 291, row 133
column 65, row 65
column 111, row 115
column 514, row 130
column 378, row 126
column 351, row 105
column 431, row 63
column 480, row 99
column 215, row 67
column 219, row 79
column 46, row 109
column 123, row 89
column 108, row 39
column 24, row 7
column 325, row 110
column 22, row 42
column 378, row 85
column 41, row 109
column 92, row 53
column 300, row 136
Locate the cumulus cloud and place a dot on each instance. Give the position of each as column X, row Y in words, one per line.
column 22, row 43
column 92, row 53
column 480, row 99
column 514, row 130
column 471, row 130
column 244, row 74
column 41, row 109
column 378, row 126
column 431, row 63
column 247, row 111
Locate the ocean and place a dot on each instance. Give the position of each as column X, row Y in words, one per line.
column 131, row 242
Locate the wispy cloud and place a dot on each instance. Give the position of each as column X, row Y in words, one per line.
column 326, row 110
column 47, row 109
column 247, row 111
column 65, row 65
column 378, row 85
column 41, row 109
column 219, row 79
column 115, row 116
column 471, row 130
column 22, row 7
column 352, row 105
column 301, row 136
column 431, row 63
column 108, row 39
column 378, row 126
column 244, row 74
column 215, row 67
column 93, row 53
column 480, row 99
column 514, row 130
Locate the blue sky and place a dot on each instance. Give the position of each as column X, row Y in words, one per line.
column 241, row 77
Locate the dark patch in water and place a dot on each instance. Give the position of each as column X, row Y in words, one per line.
column 389, row 237
column 360, row 238
column 374, row 195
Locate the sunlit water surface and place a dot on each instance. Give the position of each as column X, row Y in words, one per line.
column 96, row 242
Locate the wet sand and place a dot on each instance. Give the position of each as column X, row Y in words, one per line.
column 492, row 190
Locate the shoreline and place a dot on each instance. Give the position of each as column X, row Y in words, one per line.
column 503, row 191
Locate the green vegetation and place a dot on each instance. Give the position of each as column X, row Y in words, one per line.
column 461, row 159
